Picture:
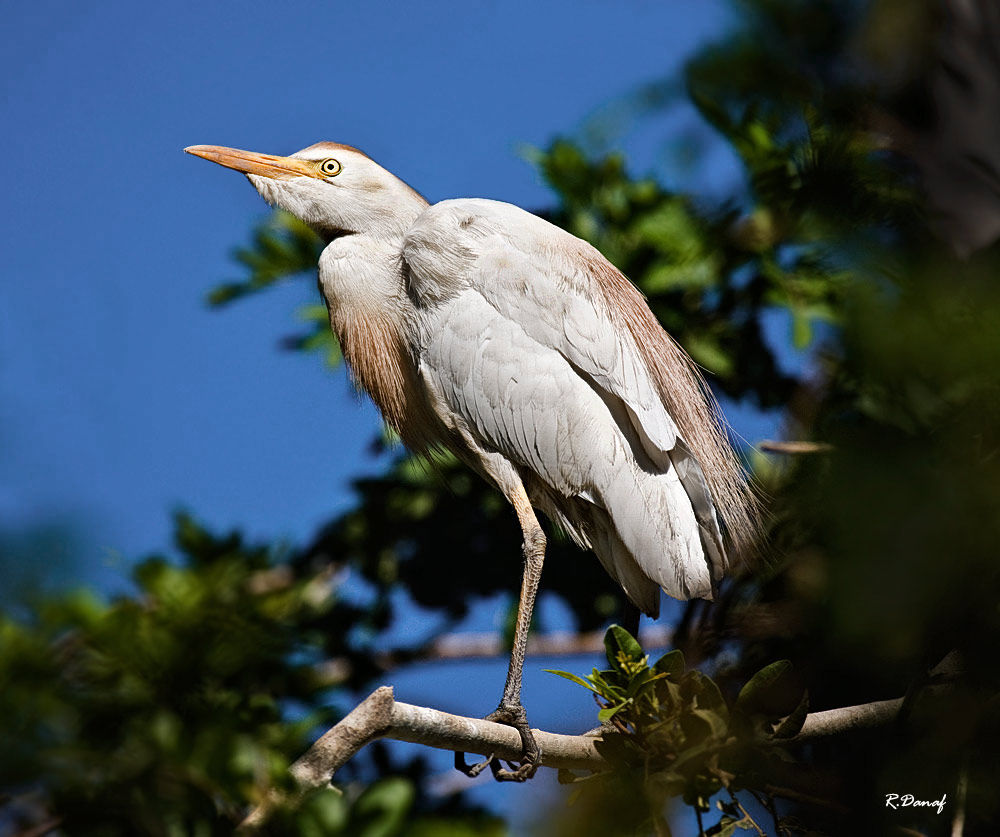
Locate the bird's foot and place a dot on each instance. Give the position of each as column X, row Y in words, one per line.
column 511, row 715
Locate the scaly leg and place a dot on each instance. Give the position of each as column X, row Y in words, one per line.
column 510, row 711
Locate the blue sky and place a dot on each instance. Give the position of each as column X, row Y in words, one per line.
column 122, row 395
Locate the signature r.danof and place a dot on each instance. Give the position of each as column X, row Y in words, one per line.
column 908, row 800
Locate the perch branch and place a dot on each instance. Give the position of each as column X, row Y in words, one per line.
column 380, row 715
column 847, row 719
column 793, row 448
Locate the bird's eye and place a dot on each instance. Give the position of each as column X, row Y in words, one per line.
column 330, row 167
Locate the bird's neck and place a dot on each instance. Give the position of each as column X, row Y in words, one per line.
column 361, row 278
column 386, row 220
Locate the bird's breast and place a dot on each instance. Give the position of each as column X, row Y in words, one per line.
column 371, row 317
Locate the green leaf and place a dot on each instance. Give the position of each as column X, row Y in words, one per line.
column 382, row 808
column 639, row 683
column 329, row 808
column 609, row 712
column 709, row 697
column 717, row 718
column 801, row 328
column 618, row 643
column 671, row 664
column 773, row 691
column 725, row 827
column 575, row 678
column 227, row 292
column 792, row 724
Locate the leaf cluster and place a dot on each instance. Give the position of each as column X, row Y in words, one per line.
column 677, row 736
column 175, row 709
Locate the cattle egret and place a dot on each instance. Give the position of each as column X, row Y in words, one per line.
column 482, row 329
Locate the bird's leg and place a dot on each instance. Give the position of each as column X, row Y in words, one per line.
column 510, row 711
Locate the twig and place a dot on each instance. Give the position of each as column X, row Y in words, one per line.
column 793, row 448
column 746, row 814
column 805, row 798
column 767, row 803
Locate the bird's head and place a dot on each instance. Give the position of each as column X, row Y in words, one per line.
column 333, row 188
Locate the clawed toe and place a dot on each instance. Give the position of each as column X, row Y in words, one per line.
column 473, row 770
column 524, row 771
column 512, row 716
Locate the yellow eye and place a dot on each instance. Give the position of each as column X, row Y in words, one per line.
column 330, row 167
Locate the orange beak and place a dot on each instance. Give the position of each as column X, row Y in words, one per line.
column 250, row 162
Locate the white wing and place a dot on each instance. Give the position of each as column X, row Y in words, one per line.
column 520, row 344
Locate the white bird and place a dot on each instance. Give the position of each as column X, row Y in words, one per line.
column 482, row 329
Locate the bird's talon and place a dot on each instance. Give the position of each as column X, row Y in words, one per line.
column 473, row 770
column 519, row 771
column 520, row 774
column 516, row 771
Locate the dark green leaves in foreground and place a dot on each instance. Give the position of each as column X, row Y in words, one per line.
column 678, row 736
column 175, row 709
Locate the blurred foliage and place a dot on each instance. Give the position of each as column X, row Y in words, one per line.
column 173, row 710
column 416, row 516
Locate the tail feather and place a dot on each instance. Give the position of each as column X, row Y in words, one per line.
column 690, row 404
column 655, row 520
column 615, row 557
column 698, row 492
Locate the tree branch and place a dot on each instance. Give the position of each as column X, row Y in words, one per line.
column 847, row 719
column 380, row 715
column 793, row 448
column 473, row 646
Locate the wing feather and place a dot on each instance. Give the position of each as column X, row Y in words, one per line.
column 577, row 333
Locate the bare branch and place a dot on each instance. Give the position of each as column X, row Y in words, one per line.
column 381, row 716
column 554, row 643
column 848, row 719
column 473, row 646
column 794, row 448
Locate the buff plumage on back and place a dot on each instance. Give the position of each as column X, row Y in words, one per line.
column 572, row 303
column 687, row 398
